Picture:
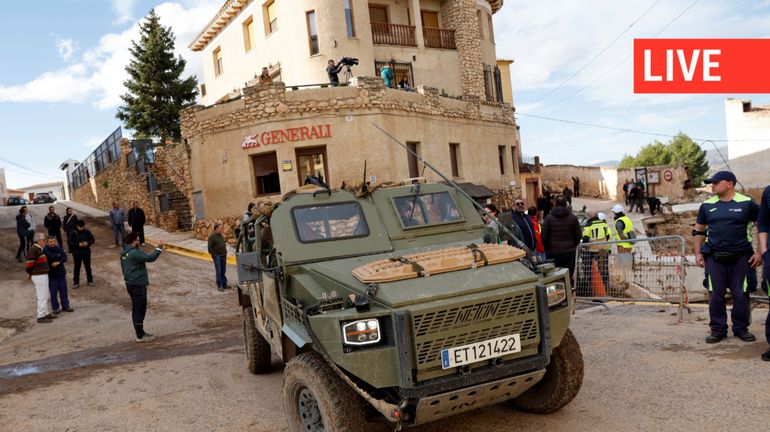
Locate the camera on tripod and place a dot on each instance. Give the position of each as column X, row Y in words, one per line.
column 349, row 61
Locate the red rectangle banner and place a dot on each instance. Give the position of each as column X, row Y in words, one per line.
column 701, row 65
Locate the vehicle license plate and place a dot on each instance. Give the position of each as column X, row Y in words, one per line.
column 479, row 351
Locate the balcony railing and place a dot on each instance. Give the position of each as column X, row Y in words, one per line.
column 439, row 38
column 393, row 34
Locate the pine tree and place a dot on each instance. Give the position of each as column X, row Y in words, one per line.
column 156, row 93
column 681, row 150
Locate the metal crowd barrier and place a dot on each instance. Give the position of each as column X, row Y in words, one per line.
column 651, row 270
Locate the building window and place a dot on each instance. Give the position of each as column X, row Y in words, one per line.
column 490, row 29
column 378, row 14
column 203, row 90
column 501, row 158
column 454, row 159
column 248, row 34
column 349, row 19
column 430, row 19
column 270, row 17
column 217, row 54
column 311, row 162
column 414, row 167
column 312, row 33
column 266, row 174
column 401, row 72
column 481, row 24
column 514, row 158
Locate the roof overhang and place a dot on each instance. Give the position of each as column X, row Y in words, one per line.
column 226, row 13
column 496, row 5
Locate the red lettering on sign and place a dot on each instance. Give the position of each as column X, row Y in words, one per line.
column 279, row 136
column 701, row 65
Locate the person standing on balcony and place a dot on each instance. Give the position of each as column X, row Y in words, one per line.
column 387, row 76
column 333, row 71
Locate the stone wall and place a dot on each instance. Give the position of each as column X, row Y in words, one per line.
column 117, row 183
column 268, row 101
column 460, row 15
column 120, row 183
column 607, row 183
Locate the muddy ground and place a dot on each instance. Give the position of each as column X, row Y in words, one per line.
column 84, row 372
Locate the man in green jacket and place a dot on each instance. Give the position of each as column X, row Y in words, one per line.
column 218, row 251
column 133, row 263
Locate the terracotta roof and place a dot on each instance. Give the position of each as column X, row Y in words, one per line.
column 226, row 13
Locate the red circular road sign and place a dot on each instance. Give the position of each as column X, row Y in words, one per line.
column 668, row 175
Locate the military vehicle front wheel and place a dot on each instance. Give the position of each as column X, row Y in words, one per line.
column 561, row 383
column 257, row 348
column 316, row 400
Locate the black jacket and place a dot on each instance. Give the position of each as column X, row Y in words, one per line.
column 70, row 223
column 136, row 217
column 22, row 225
column 56, row 254
column 75, row 237
column 52, row 223
column 561, row 231
column 527, row 229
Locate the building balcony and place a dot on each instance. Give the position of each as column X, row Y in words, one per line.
column 439, row 38
column 393, row 34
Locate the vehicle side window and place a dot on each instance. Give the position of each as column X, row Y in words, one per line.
column 427, row 209
column 329, row 222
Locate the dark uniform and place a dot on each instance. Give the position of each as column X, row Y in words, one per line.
column 763, row 223
column 726, row 252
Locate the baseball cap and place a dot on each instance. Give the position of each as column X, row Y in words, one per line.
column 721, row 175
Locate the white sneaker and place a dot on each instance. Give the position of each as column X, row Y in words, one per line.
column 146, row 338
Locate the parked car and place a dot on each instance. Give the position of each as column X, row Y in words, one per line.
column 17, row 201
column 44, row 198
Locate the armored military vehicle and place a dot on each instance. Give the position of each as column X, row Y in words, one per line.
column 386, row 306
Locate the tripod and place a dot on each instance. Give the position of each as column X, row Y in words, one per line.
column 348, row 73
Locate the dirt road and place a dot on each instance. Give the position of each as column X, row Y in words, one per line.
column 84, row 372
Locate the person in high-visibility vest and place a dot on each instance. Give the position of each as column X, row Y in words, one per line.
column 596, row 230
column 624, row 229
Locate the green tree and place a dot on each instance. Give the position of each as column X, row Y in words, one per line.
column 685, row 151
column 156, row 92
column 680, row 150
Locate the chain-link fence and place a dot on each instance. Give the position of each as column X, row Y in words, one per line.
column 644, row 269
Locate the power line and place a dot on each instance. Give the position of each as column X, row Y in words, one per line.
column 28, row 169
column 599, row 54
column 619, row 63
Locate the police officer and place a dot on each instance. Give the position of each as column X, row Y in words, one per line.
column 763, row 223
column 624, row 228
column 596, row 230
column 724, row 221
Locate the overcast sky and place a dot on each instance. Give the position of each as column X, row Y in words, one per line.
column 59, row 88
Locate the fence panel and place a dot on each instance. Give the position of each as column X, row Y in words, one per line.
column 651, row 270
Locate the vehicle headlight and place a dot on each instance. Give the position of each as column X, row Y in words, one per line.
column 361, row 332
column 556, row 292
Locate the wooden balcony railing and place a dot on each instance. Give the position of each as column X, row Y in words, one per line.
column 393, row 34
column 439, row 38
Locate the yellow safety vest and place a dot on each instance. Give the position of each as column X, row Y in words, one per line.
column 598, row 231
column 628, row 229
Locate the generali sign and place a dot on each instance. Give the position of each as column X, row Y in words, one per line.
column 280, row 136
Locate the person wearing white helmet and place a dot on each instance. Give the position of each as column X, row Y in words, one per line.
column 624, row 228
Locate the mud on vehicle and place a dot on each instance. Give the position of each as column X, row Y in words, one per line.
column 386, row 306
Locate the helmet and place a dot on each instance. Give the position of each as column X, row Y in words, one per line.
column 601, row 216
column 618, row 208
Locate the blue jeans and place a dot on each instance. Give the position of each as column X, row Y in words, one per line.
column 220, row 266
column 119, row 228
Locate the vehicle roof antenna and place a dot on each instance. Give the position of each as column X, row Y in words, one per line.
column 534, row 262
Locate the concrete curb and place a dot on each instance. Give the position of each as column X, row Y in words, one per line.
column 187, row 252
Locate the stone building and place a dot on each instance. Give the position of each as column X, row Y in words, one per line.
column 747, row 128
column 249, row 140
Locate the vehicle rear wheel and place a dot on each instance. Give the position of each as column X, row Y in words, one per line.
column 316, row 400
column 257, row 348
column 561, row 383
